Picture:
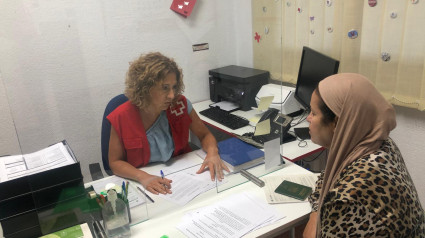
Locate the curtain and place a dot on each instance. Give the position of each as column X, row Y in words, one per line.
column 389, row 48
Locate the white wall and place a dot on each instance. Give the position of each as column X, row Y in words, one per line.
column 61, row 61
column 9, row 144
column 410, row 138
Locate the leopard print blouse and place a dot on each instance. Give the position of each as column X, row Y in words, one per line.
column 374, row 197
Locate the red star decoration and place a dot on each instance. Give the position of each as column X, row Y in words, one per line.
column 257, row 37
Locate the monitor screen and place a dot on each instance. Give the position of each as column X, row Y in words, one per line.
column 314, row 67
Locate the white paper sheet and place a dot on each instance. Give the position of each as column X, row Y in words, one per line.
column 182, row 162
column 187, row 185
column 226, row 106
column 17, row 166
column 229, row 217
column 182, row 170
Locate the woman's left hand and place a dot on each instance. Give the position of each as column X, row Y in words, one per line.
column 215, row 165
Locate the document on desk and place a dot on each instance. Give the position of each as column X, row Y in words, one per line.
column 183, row 162
column 232, row 217
column 175, row 164
column 272, row 182
column 17, row 166
column 187, row 185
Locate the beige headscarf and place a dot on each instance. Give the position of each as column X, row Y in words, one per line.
column 365, row 119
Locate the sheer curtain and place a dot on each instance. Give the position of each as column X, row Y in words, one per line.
column 389, row 48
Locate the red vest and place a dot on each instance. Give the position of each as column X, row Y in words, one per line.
column 128, row 124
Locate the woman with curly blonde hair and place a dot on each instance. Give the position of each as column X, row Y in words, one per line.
column 153, row 125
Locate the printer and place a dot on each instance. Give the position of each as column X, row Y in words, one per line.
column 237, row 84
column 283, row 98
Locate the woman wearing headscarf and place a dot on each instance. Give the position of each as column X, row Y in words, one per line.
column 365, row 189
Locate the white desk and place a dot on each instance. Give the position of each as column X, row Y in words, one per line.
column 290, row 150
column 165, row 223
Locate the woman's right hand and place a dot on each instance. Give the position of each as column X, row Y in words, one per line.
column 156, row 185
column 310, row 228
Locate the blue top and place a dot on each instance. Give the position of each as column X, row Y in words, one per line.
column 159, row 137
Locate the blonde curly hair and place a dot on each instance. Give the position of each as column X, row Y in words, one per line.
column 145, row 72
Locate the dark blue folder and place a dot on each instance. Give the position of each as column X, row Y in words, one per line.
column 239, row 155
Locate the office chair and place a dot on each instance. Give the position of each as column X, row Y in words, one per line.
column 95, row 170
column 106, row 129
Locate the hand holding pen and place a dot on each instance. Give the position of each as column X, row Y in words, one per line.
column 162, row 176
column 166, row 185
column 156, row 184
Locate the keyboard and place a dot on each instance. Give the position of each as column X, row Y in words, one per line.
column 225, row 118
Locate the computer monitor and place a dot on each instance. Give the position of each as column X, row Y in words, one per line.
column 314, row 67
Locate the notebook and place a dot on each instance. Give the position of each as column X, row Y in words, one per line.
column 238, row 155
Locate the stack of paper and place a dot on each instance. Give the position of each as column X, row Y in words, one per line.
column 187, row 185
column 17, row 166
column 229, row 217
column 181, row 170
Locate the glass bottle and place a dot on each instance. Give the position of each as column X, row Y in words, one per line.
column 115, row 216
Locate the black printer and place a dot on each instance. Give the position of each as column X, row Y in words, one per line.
column 237, row 84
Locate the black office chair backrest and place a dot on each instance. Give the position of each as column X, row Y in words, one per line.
column 106, row 129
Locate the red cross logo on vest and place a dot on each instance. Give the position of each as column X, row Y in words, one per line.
column 178, row 109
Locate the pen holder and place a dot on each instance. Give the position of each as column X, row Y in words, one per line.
column 127, row 204
column 116, row 216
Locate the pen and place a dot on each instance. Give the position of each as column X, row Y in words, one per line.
column 123, row 191
column 126, row 189
column 162, row 176
column 145, row 194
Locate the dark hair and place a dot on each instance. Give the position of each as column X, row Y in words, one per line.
column 328, row 114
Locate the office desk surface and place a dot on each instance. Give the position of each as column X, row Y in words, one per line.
column 291, row 150
column 166, row 223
